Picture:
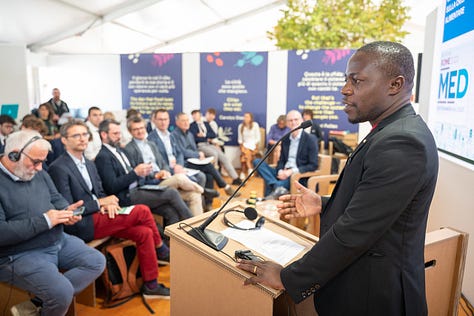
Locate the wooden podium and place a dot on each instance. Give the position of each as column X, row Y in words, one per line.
column 207, row 282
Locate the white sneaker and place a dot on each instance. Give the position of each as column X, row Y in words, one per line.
column 26, row 308
column 242, row 176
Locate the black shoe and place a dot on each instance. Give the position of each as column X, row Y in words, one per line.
column 164, row 261
column 236, row 181
column 209, row 194
column 164, row 258
column 161, row 291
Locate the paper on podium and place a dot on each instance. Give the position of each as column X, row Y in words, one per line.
column 270, row 244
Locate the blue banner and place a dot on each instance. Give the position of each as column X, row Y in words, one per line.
column 458, row 17
column 315, row 79
column 234, row 83
column 152, row 81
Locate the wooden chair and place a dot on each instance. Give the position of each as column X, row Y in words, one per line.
column 322, row 185
column 13, row 295
column 324, row 168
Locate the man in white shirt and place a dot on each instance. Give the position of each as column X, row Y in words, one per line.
column 94, row 118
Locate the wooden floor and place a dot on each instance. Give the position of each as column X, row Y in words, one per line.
column 162, row 307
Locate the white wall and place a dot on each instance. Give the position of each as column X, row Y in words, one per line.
column 453, row 202
column 13, row 78
column 84, row 80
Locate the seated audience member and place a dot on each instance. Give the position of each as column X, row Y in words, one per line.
column 119, row 178
column 277, row 131
column 76, row 178
column 204, row 136
column 299, row 153
column 7, row 125
column 32, row 123
column 126, row 137
column 94, row 118
column 210, row 117
column 150, row 126
column 314, row 129
column 36, row 255
column 171, row 154
column 109, row 116
column 46, row 113
column 140, row 150
column 184, row 140
column 248, row 139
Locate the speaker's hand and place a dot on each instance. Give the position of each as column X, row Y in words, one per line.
column 266, row 273
column 300, row 205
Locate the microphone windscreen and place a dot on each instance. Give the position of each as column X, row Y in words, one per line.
column 306, row 124
column 250, row 213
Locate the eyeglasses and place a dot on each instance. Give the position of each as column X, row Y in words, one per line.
column 78, row 136
column 136, row 129
column 35, row 162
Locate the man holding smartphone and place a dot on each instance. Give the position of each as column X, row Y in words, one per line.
column 35, row 253
column 77, row 179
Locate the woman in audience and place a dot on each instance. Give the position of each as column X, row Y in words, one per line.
column 248, row 138
column 46, row 113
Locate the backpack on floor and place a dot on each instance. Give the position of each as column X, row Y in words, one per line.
column 122, row 276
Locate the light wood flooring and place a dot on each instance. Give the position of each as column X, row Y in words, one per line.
column 162, row 307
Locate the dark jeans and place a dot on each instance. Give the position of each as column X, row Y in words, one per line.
column 37, row 271
column 167, row 203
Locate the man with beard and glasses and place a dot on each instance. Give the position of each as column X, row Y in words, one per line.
column 35, row 253
column 119, row 178
column 369, row 259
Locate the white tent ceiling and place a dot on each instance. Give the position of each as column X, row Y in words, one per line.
column 129, row 26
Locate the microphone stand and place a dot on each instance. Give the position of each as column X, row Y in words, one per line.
column 216, row 240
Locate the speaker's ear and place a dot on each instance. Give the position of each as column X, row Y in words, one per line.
column 260, row 222
column 250, row 213
column 14, row 156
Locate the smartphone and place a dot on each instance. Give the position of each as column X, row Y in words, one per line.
column 78, row 211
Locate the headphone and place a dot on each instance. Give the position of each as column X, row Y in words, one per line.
column 250, row 213
column 15, row 155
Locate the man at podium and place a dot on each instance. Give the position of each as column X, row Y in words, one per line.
column 369, row 259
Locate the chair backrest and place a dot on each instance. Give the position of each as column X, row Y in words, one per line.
column 261, row 145
column 324, row 164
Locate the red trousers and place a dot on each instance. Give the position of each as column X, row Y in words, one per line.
column 139, row 226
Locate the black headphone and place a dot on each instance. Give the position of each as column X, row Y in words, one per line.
column 15, row 155
column 250, row 213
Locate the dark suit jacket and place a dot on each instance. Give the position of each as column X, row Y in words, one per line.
column 194, row 129
column 135, row 156
column 307, row 155
column 369, row 259
column 114, row 179
column 155, row 138
column 71, row 185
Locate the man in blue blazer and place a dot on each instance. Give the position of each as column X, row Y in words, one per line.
column 119, row 178
column 369, row 258
column 299, row 153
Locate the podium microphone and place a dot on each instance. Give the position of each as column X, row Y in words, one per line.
column 216, row 240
